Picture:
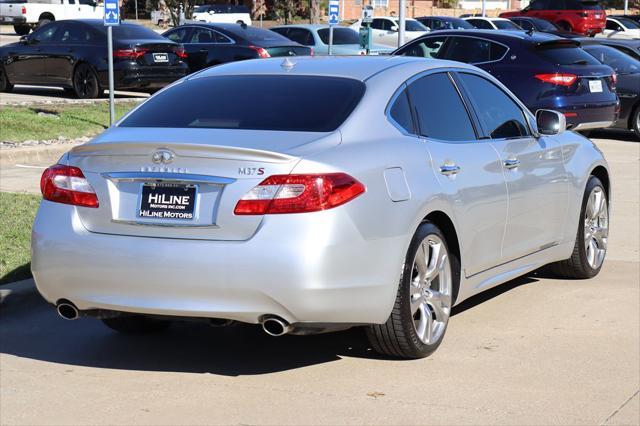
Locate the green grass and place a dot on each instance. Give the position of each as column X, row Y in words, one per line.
column 17, row 212
column 18, row 124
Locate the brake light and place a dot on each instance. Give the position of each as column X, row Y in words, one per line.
column 24, row 10
column 311, row 51
column 181, row 53
column 67, row 185
column 614, row 78
column 558, row 79
column 133, row 54
column 299, row 194
column 262, row 52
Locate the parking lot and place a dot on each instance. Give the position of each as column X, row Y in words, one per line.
column 535, row 350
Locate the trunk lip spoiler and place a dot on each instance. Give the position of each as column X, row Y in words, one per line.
column 167, row 177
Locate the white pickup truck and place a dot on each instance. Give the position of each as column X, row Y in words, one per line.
column 25, row 16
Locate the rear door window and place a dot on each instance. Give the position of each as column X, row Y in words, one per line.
column 499, row 115
column 473, row 50
column 439, row 109
column 340, row 36
column 179, row 35
column 301, row 35
column 195, row 103
column 400, row 112
column 481, row 24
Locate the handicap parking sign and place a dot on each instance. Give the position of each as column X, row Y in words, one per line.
column 334, row 12
column 111, row 12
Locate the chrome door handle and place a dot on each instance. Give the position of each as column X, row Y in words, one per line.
column 450, row 169
column 511, row 163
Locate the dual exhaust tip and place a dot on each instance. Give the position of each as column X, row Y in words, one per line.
column 273, row 326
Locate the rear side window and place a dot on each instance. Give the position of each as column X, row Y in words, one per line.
column 400, row 112
column 481, row 24
column 499, row 115
column 196, row 103
column 439, row 109
column 178, row 35
column 340, row 36
column 301, row 35
column 566, row 54
column 474, row 50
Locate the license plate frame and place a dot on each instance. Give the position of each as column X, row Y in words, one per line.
column 595, row 86
column 166, row 202
column 161, row 57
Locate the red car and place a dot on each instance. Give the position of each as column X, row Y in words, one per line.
column 579, row 16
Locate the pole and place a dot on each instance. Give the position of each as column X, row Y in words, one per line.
column 330, row 39
column 484, row 7
column 112, row 110
column 136, row 9
column 626, row 7
column 401, row 21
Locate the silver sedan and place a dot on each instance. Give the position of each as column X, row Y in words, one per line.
column 316, row 194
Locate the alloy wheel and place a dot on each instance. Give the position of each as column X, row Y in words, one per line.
column 430, row 289
column 596, row 227
column 84, row 82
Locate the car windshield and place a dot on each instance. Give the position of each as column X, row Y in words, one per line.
column 258, row 35
column 629, row 23
column 230, row 102
column 457, row 24
column 340, row 36
column 413, row 25
column 506, row 25
column 620, row 62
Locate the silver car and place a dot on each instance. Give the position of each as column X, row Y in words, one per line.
column 316, row 194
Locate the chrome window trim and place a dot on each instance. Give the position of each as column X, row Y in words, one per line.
column 167, row 177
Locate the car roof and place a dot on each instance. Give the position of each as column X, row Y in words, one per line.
column 355, row 67
column 439, row 17
column 535, row 37
column 305, row 26
column 486, row 18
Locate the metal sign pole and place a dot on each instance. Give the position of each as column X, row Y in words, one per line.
column 484, row 7
column 330, row 39
column 112, row 109
column 334, row 19
column 136, row 9
column 401, row 22
column 626, row 7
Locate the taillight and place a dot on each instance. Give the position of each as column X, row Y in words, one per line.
column 132, row 54
column 24, row 10
column 558, row 79
column 181, row 53
column 262, row 52
column 311, row 51
column 299, row 194
column 614, row 79
column 67, row 185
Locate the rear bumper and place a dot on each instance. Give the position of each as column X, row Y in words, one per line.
column 140, row 77
column 13, row 20
column 326, row 273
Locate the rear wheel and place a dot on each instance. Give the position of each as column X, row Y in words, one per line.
column 5, row 85
column 635, row 121
column 136, row 324
column 593, row 232
column 22, row 29
column 426, row 293
column 85, row 82
column 565, row 26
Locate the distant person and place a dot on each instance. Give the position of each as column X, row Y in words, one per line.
column 164, row 14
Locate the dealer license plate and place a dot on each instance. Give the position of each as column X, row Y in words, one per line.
column 160, row 57
column 595, row 86
column 167, row 201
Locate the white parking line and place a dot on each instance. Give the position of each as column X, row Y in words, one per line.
column 24, row 166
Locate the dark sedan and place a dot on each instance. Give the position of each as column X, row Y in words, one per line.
column 73, row 54
column 544, row 71
column 629, row 47
column 628, row 86
column 212, row 44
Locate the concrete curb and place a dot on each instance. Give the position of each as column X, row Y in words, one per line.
column 17, row 288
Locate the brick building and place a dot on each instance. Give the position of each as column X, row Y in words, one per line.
column 352, row 8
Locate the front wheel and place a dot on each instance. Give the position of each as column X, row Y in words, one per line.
column 426, row 293
column 635, row 121
column 5, row 85
column 593, row 232
column 85, row 82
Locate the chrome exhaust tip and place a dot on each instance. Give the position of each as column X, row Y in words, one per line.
column 67, row 310
column 275, row 326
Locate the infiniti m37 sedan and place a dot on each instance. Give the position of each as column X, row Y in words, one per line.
column 406, row 187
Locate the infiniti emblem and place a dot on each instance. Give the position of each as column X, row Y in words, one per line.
column 164, row 156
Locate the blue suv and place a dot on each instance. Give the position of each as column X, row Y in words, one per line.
column 543, row 70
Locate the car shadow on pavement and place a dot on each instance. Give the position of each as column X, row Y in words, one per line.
column 30, row 328
column 620, row 135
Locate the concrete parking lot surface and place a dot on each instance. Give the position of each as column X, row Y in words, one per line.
column 536, row 350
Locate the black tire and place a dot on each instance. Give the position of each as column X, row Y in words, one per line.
column 85, row 82
column 5, row 84
column 635, row 121
column 577, row 266
column 398, row 337
column 22, row 29
column 136, row 324
column 565, row 26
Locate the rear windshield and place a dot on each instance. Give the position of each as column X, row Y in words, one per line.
column 582, row 5
column 629, row 23
column 506, row 25
column 340, row 36
column 129, row 32
column 256, row 35
column 566, row 54
column 544, row 25
column 457, row 24
column 252, row 102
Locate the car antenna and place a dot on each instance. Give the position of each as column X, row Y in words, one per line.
column 287, row 64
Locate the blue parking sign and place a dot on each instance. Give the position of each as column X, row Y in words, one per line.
column 111, row 12
column 334, row 12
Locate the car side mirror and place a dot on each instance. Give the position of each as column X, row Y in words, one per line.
column 550, row 122
column 394, row 28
